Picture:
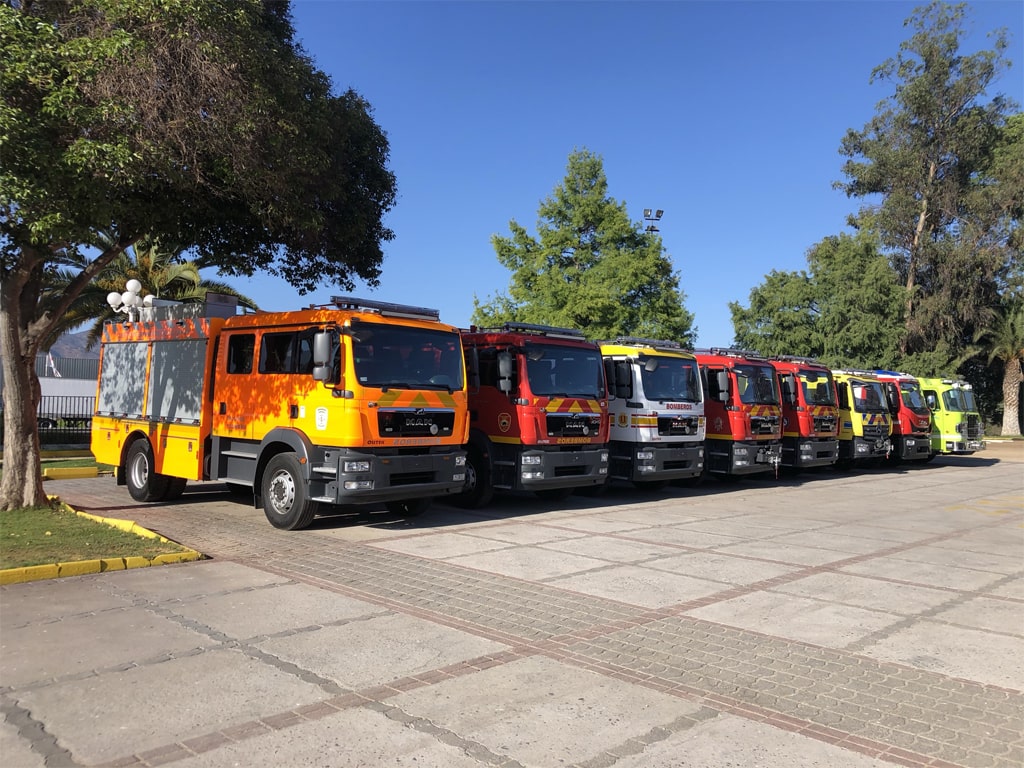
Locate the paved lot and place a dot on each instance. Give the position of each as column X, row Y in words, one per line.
column 851, row 620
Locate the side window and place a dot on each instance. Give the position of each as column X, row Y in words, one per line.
column 276, row 353
column 844, row 398
column 240, row 352
column 488, row 357
column 304, row 349
column 712, row 382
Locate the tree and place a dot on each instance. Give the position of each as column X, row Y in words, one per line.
column 159, row 268
column 921, row 157
column 199, row 122
column 844, row 310
column 1004, row 341
column 590, row 267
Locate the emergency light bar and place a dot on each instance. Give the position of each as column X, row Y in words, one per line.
column 543, row 330
column 856, row 372
column 386, row 308
column 798, row 359
column 656, row 343
column 730, row 352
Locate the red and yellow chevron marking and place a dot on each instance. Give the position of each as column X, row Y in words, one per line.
column 764, row 410
column 821, row 410
column 405, row 398
column 568, row 405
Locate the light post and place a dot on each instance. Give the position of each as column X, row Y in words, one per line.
column 129, row 301
column 652, row 217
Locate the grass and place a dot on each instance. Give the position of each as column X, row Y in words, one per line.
column 45, row 535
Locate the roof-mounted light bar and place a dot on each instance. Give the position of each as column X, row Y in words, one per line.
column 656, row 343
column 731, row 352
column 856, row 372
column 799, row 359
column 386, row 308
column 543, row 330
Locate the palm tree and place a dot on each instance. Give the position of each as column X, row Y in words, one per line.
column 1003, row 340
column 158, row 266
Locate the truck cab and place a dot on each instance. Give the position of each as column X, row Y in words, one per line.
column 743, row 412
column 538, row 409
column 911, row 419
column 810, row 413
column 956, row 426
column 657, row 424
column 865, row 423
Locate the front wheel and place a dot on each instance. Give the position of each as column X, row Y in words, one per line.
column 286, row 501
column 478, row 490
column 144, row 484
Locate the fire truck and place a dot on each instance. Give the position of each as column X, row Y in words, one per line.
column 864, row 420
column 810, row 415
column 911, row 419
column 538, row 412
column 656, row 409
column 956, row 426
column 744, row 417
column 356, row 402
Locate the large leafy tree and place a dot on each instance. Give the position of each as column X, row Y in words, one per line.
column 1003, row 341
column 845, row 309
column 200, row 122
column 918, row 162
column 589, row 267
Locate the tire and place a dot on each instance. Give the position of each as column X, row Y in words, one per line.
column 144, row 484
column 286, row 501
column 478, row 490
column 175, row 487
column 408, row 507
column 554, row 494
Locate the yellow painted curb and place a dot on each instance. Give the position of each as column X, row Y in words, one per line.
column 69, row 473
column 83, row 567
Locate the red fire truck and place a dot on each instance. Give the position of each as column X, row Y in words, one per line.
column 810, row 413
column 743, row 412
column 538, row 412
column 911, row 417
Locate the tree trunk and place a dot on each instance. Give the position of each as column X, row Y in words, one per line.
column 1012, row 378
column 22, row 483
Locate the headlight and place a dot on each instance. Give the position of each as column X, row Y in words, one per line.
column 460, row 461
column 532, row 459
column 356, row 466
column 604, row 456
column 644, row 455
column 358, row 485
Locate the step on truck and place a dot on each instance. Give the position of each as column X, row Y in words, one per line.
column 656, row 405
column 810, row 413
column 743, row 413
column 864, row 420
column 357, row 402
column 956, row 426
column 538, row 412
column 911, row 419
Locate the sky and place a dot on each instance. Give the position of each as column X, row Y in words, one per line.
column 728, row 116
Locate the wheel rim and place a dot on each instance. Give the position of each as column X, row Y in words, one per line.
column 471, row 478
column 140, row 470
column 281, row 493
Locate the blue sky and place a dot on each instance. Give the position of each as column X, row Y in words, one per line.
column 726, row 115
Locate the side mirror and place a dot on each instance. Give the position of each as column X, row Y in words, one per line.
column 322, row 348
column 788, row 384
column 506, row 367
column 722, row 380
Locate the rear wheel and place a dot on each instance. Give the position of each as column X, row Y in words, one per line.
column 143, row 483
column 408, row 507
column 286, row 501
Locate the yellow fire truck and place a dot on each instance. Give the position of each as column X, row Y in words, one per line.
column 865, row 424
column 356, row 402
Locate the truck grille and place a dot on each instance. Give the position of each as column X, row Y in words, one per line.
column 972, row 428
column 573, row 424
column 677, row 425
column 412, row 423
column 825, row 424
column 764, row 425
column 875, row 431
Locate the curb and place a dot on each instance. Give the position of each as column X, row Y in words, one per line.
column 69, row 473
column 101, row 565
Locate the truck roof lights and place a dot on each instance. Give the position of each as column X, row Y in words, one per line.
column 386, row 308
column 732, row 352
column 799, row 359
column 540, row 330
column 656, row 343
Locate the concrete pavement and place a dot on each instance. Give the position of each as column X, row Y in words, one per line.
column 829, row 619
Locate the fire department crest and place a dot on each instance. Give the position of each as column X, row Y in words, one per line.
column 504, row 421
column 623, row 420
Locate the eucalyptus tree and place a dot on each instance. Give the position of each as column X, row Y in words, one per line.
column 201, row 122
column 589, row 266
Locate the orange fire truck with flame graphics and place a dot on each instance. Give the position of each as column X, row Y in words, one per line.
column 538, row 412
column 357, row 402
column 810, row 415
column 743, row 412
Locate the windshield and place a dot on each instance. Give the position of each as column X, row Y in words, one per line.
column 672, row 378
column 868, row 396
column 403, row 357
column 818, row 388
column 912, row 398
column 566, row 371
column 756, row 384
column 959, row 400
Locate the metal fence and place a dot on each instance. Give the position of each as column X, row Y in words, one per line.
column 63, row 419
